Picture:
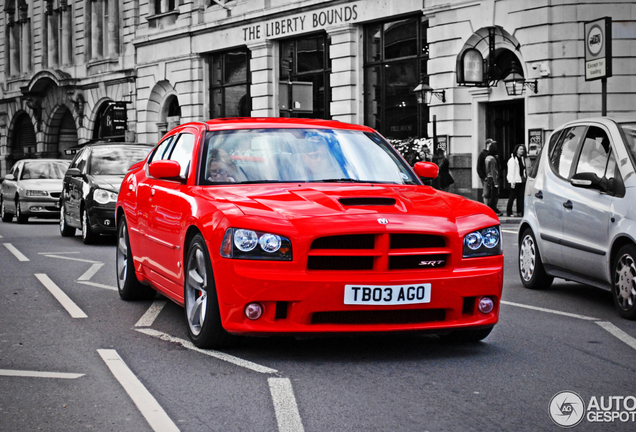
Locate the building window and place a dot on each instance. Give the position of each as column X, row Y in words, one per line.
column 163, row 6
column 304, row 86
column 18, row 38
column 396, row 53
column 103, row 28
column 230, row 84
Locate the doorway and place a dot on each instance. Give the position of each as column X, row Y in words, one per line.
column 505, row 123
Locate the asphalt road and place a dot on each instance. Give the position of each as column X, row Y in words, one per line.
column 73, row 356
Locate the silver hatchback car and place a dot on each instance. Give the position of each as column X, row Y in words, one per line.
column 579, row 221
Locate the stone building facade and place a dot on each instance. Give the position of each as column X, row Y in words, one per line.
column 64, row 65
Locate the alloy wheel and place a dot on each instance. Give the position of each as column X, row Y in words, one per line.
column 122, row 255
column 625, row 279
column 527, row 258
column 196, row 290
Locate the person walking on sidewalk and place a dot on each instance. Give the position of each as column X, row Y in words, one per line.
column 516, row 176
column 492, row 178
column 481, row 167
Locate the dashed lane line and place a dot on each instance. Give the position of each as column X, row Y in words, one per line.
column 143, row 399
column 618, row 333
column 510, row 231
column 39, row 374
column 285, row 406
column 98, row 285
column 151, row 314
column 216, row 354
column 15, row 252
column 61, row 297
column 555, row 312
column 91, row 272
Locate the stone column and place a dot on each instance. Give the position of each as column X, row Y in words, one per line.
column 346, row 70
column 264, row 88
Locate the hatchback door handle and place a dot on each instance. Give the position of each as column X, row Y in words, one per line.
column 539, row 195
column 568, row 205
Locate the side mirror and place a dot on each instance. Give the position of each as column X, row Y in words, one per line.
column 9, row 177
column 164, row 169
column 426, row 169
column 588, row 180
column 73, row 172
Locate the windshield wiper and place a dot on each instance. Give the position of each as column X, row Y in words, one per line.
column 342, row 180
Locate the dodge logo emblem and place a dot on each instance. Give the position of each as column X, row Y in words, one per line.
column 383, row 221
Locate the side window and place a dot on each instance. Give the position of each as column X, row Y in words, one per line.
column 594, row 153
column 76, row 159
column 562, row 154
column 615, row 183
column 162, row 150
column 182, row 152
column 81, row 160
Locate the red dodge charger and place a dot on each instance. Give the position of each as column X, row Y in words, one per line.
column 263, row 226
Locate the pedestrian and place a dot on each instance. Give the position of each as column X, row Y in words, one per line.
column 492, row 178
column 444, row 178
column 516, row 176
column 481, row 167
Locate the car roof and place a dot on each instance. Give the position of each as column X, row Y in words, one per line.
column 279, row 122
column 602, row 120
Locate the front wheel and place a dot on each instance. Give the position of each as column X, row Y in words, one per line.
column 21, row 217
column 531, row 268
column 624, row 289
column 128, row 285
column 201, row 301
column 65, row 229
column 88, row 235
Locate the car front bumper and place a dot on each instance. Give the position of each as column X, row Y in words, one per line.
column 48, row 208
column 102, row 218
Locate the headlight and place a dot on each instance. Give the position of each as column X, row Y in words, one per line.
column 258, row 245
column 37, row 193
column 104, row 197
column 484, row 242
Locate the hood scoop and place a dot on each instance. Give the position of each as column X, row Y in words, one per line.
column 367, row 201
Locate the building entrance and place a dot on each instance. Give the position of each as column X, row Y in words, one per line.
column 505, row 122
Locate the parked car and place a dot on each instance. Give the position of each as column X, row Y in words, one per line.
column 290, row 226
column 90, row 187
column 580, row 210
column 32, row 188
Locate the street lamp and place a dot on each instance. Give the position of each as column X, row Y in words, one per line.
column 516, row 83
column 425, row 92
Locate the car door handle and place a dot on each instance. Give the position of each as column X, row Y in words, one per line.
column 539, row 195
column 568, row 205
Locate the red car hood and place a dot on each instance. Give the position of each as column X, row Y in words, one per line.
column 320, row 200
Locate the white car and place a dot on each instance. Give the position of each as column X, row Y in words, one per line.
column 32, row 188
column 579, row 221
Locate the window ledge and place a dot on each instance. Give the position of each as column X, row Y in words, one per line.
column 164, row 18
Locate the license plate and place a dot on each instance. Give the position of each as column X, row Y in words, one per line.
column 387, row 294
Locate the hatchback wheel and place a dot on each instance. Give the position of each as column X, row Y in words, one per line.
column 22, row 218
column 88, row 235
column 128, row 285
column 65, row 229
column 624, row 290
column 6, row 217
column 531, row 268
column 201, row 302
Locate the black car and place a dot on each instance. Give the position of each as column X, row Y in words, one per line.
column 91, row 185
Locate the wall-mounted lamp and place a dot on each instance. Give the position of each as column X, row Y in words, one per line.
column 516, row 84
column 425, row 92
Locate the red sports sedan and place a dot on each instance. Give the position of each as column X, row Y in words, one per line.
column 263, row 226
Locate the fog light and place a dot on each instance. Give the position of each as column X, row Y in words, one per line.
column 107, row 222
column 486, row 305
column 253, row 311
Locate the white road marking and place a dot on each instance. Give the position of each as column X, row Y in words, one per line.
column 56, row 253
column 216, row 354
column 90, row 272
column 95, row 284
column 555, row 312
column 510, row 231
column 15, row 252
column 73, row 259
column 146, row 403
column 64, row 300
column 39, row 374
column 285, row 406
column 620, row 334
column 151, row 314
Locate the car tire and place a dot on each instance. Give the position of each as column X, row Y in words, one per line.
column 128, row 285
column 200, row 298
column 6, row 217
column 531, row 270
column 22, row 218
column 65, row 229
column 624, row 286
column 88, row 235
column 464, row 336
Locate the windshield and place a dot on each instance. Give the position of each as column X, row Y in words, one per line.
column 629, row 136
column 300, row 155
column 44, row 170
column 115, row 160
